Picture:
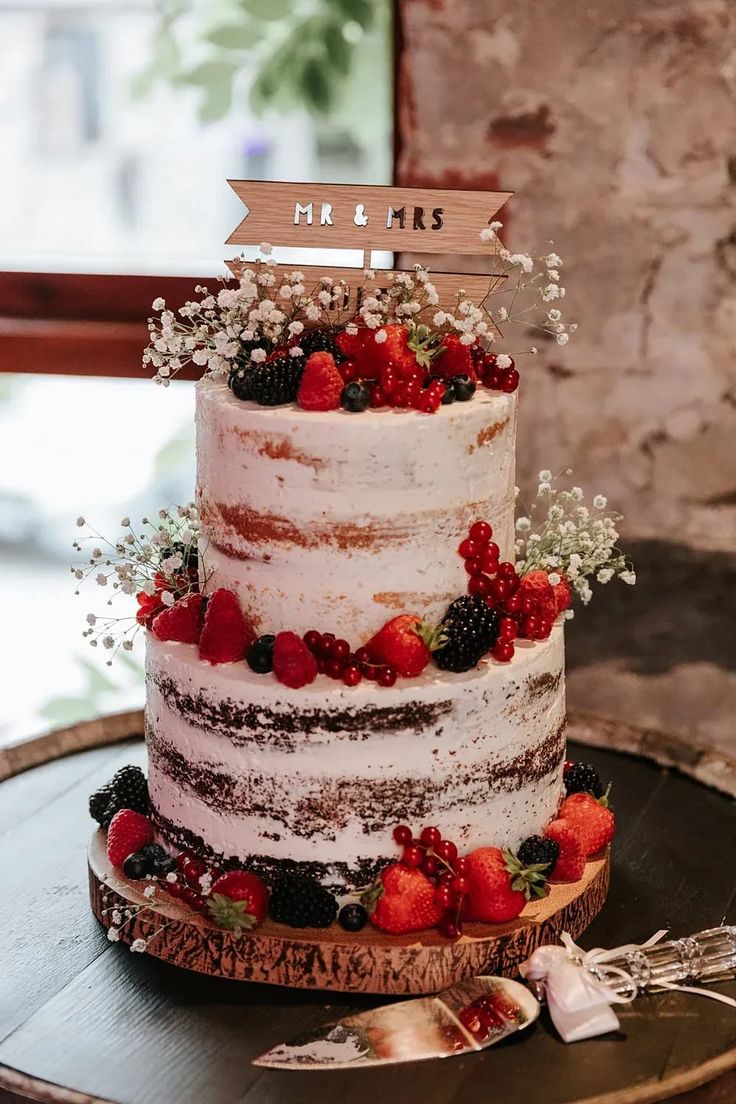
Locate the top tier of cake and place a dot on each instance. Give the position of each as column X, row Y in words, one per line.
column 337, row 521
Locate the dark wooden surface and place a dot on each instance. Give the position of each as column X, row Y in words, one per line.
column 82, row 1013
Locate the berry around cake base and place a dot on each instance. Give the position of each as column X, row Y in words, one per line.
column 245, row 771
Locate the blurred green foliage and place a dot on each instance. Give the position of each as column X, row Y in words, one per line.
column 294, row 53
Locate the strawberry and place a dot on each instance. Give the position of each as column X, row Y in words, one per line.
column 293, row 663
column 563, row 595
column 149, row 605
column 238, row 900
column 591, row 817
column 499, row 886
column 356, row 348
column 396, row 352
column 182, row 621
column 226, row 635
column 321, row 385
column 537, row 586
column 570, row 863
column 404, row 643
column 454, row 358
column 128, row 832
column 402, row 900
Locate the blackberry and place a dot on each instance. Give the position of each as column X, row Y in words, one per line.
column 130, row 790
column 320, row 340
column 583, row 778
column 352, row 918
column 260, row 655
column 269, row 384
column 154, row 852
column 355, row 397
column 98, row 803
column 539, row 850
column 464, row 388
column 301, row 902
column 470, row 629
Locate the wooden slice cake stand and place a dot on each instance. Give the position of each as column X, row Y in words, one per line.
column 330, row 958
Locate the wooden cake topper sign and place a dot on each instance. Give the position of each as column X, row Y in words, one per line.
column 367, row 218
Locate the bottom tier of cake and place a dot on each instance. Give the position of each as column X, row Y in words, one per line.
column 248, row 772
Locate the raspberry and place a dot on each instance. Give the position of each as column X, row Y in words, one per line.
column 128, row 832
column 226, row 635
column 293, row 663
column 536, row 585
column 322, row 384
column 570, row 864
column 182, row 621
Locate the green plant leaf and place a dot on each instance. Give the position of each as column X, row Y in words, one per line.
column 67, row 710
column 360, row 11
column 210, row 74
column 316, row 86
column 338, row 48
column 267, row 9
column 235, row 36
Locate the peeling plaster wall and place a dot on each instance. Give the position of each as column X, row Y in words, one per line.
column 614, row 121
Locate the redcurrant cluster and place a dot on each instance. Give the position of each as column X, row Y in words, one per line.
column 437, row 858
column 502, row 588
column 417, row 391
column 188, row 886
column 495, row 378
column 336, row 659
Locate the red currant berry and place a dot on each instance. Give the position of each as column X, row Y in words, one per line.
column 334, row 668
column 445, row 878
column 514, row 582
column 481, row 532
column 192, row 898
column 460, row 884
column 545, row 628
column 193, row 870
column 479, row 584
column 386, row 676
column 493, row 550
column 527, row 605
column 567, row 764
column 446, row 850
column 493, row 380
column 312, row 639
column 443, row 896
column 489, row 562
column 430, row 837
column 173, row 889
column 402, row 834
column 503, row 651
column 349, row 371
column 460, row 866
column 325, row 643
column 499, row 589
column 363, row 655
column 468, row 548
column 473, row 566
column 429, row 866
column 530, row 625
column 506, row 568
column 352, row 675
column 509, row 380
column 451, row 930
column 512, row 604
column 321, row 665
column 339, row 649
column 507, row 628
column 413, row 856
column 183, row 858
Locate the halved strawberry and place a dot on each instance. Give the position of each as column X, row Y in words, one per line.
column 402, row 900
column 226, row 635
column 181, row 622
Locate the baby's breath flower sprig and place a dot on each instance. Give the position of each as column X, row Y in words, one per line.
column 158, row 563
column 572, row 540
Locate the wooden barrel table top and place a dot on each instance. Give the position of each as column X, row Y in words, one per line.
column 82, row 1020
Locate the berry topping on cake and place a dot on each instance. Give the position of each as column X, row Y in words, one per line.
column 583, row 778
column 136, row 866
column 539, row 851
column 293, row 663
column 499, row 884
column 570, row 864
column 238, row 900
column 181, row 622
column 128, row 832
column 563, row 595
column 352, row 917
column 302, row 902
column 320, row 339
column 259, row 656
column 321, row 385
column 355, row 397
column 454, row 358
column 463, row 388
column 226, row 635
column 402, row 900
column 405, row 643
column 535, row 586
column 127, row 790
column 591, row 818
column 270, row 383
column 469, row 629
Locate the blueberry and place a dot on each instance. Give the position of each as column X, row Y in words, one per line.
column 352, row 917
column 449, row 395
column 162, row 867
column 355, row 397
column 260, row 655
column 464, row 388
column 136, row 865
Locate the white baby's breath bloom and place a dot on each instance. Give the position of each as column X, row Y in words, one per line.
column 554, row 578
column 503, row 360
column 149, row 892
column 296, row 351
column 167, row 598
column 258, row 355
column 563, row 338
column 380, row 336
column 600, row 502
column 545, row 476
column 265, row 248
column 158, row 304
column 523, row 524
column 113, row 935
column 101, row 580
column 628, row 577
column 138, row 946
